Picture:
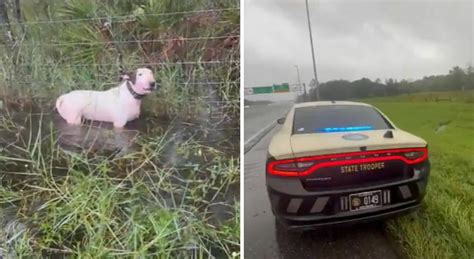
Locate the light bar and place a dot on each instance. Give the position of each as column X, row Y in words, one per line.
column 345, row 129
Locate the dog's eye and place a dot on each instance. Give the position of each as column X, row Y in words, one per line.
column 139, row 74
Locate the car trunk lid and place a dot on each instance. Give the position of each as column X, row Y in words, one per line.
column 344, row 142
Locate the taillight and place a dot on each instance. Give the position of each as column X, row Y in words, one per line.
column 306, row 165
column 287, row 167
column 412, row 155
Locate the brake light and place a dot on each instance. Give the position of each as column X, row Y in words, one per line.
column 288, row 167
column 306, row 165
column 412, row 155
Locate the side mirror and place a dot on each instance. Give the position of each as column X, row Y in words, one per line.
column 281, row 121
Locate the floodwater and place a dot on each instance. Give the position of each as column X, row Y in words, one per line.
column 20, row 128
column 17, row 127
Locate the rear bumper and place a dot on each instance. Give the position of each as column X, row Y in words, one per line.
column 296, row 207
column 349, row 220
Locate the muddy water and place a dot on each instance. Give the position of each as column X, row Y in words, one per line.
column 91, row 136
column 20, row 128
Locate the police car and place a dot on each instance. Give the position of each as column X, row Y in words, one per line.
column 343, row 162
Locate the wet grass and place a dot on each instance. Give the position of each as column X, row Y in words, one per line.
column 174, row 194
column 444, row 96
column 444, row 227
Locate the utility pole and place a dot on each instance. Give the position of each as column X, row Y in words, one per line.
column 312, row 51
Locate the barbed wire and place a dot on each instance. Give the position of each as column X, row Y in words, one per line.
column 214, row 62
column 118, row 17
column 192, row 102
column 46, row 83
column 51, row 99
column 125, row 41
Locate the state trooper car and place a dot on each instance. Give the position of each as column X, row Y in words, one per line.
column 343, row 162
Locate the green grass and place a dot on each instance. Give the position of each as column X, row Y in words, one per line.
column 444, row 228
column 48, row 60
column 133, row 205
column 445, row 96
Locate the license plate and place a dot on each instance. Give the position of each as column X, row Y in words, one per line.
column 365, row 200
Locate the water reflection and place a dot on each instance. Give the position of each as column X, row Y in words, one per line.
column 95, row 137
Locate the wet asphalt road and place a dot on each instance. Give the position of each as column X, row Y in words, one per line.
column 259, row 116
column 263, row 240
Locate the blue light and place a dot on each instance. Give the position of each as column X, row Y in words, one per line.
column 345, row 129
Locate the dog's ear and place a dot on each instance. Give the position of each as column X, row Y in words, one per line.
column 149, row 67
column 132, row 76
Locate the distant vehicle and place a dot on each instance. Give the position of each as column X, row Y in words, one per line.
column 343, row 162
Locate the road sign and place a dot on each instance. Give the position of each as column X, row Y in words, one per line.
column 283, row 88
column 262, row 90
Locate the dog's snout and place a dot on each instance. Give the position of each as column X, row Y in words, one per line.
column 152, row 85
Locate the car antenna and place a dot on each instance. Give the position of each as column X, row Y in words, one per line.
column 388, row 134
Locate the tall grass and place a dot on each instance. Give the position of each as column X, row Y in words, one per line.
column 179, row 39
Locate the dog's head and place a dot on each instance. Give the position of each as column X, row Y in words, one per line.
column 143, row 81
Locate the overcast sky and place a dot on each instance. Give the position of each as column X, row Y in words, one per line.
column 355, row 39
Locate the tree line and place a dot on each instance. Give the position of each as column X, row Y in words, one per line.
column 458, row 79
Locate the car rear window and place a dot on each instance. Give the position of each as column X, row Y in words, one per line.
column 337, row 118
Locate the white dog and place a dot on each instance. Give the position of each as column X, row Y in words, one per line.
column 117, row 105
